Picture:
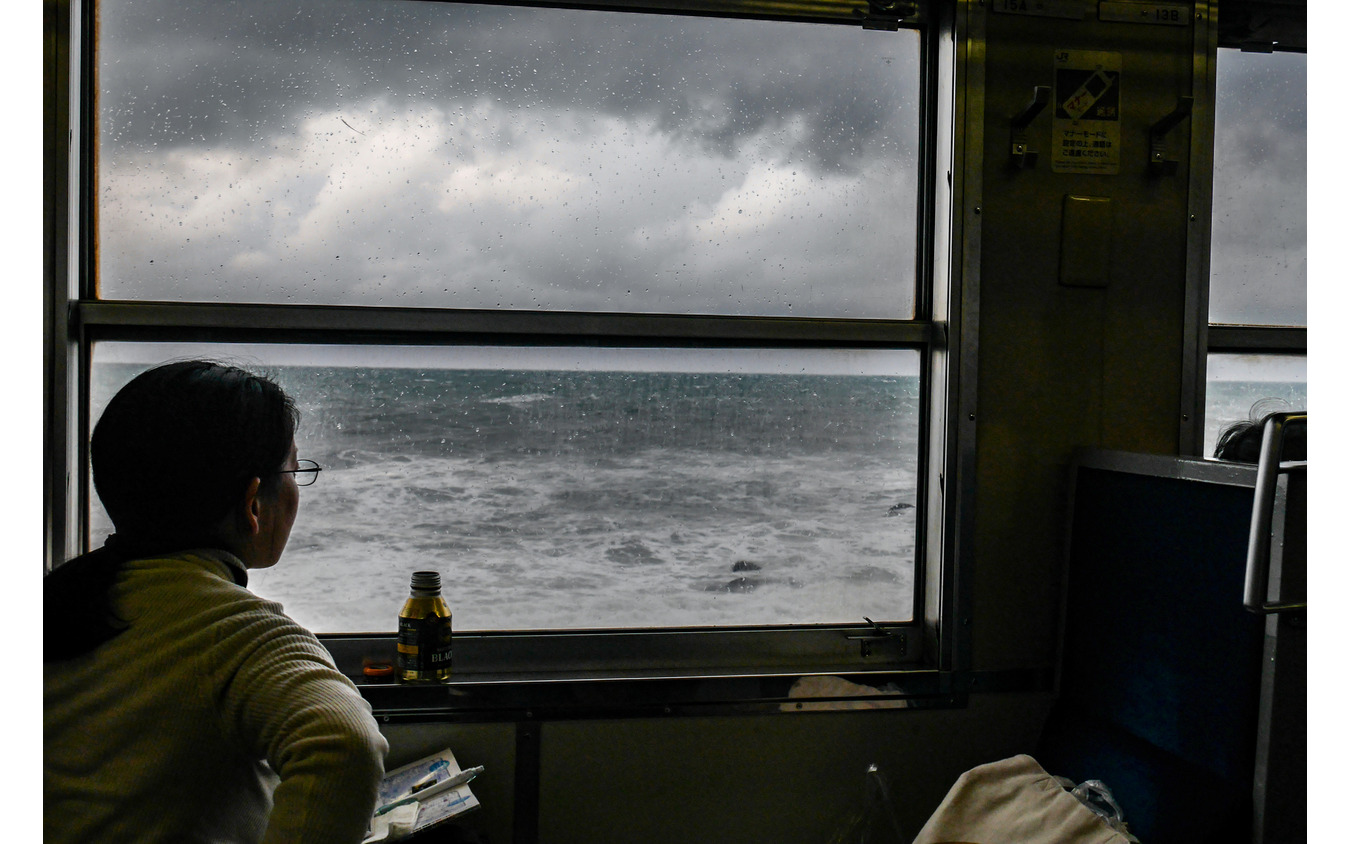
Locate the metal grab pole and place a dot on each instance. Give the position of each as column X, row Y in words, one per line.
column 1264, row 505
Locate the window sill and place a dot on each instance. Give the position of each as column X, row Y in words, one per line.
column 575, row 697
column 552, row 687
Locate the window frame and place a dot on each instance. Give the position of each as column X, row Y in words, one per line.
column 1251, row 27
column 924, row 661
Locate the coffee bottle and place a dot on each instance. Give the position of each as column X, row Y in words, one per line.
column 424, row 632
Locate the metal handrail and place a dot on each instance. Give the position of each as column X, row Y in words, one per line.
column 1268, row 471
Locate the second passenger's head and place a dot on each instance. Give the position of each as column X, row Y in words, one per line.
column 1241, row 441
column 192, row 454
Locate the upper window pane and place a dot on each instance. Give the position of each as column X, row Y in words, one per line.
column 1259, row 250
column 583, row 488
column 468, row 156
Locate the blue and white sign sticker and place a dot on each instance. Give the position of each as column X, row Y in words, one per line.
column 1085, row 131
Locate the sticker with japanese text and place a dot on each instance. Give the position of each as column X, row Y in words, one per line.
column 1085, row 132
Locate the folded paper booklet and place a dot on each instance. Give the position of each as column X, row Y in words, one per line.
column 437, row 806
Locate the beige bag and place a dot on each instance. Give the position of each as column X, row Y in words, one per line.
column 1015, row 802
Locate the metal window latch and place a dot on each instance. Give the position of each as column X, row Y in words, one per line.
column 887, row 14
column 1023, row 155
column 1158, row 162
column 877, row 634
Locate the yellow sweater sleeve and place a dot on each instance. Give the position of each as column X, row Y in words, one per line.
column 285, row 702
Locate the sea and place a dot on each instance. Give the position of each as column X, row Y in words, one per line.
column 596, row 499
column 604, row 499
column 1229, row 402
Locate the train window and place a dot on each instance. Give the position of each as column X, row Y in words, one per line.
column 1259, row 250
column 1248, row 386
column 1258, row 258
column 564, row 488
column 618, row 318
column 470, row 156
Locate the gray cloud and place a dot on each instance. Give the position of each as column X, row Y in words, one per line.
column 1262, row 107
column 479, row 156
column 476, row 156
column 1259, row 263
column 237, row 72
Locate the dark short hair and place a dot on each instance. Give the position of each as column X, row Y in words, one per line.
column 1241, row 441
column 175, row 448
column 172, row 455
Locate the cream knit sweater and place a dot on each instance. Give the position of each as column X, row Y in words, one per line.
column 180, row 728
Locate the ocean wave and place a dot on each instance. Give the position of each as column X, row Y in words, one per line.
column 519, row 401
column 622, row 500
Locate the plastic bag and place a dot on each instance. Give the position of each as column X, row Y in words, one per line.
column 1096, row 796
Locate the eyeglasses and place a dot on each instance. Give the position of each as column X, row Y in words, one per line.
column 306, row 473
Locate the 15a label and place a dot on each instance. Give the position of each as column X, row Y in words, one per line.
column 1069, row 9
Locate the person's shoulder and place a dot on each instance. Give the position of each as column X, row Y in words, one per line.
column 244, row 628
column 198, row 569
column 207, row 586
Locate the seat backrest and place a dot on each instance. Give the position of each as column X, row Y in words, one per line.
column 1160, row 674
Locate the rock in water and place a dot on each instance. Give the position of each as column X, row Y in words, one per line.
column 738, row 584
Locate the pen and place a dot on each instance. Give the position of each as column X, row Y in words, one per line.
column 444, row 785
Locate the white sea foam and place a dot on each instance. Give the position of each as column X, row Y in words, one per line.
column 526, row 543
column 599, row 499
column 518, row 400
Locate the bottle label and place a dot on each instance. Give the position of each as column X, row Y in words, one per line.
column 424, row 646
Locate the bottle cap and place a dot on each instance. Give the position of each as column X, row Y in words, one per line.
column 427, row 581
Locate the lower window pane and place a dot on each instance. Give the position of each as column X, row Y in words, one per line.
column 1241, row 387
column 568, row 488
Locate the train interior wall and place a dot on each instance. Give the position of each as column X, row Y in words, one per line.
column 738, row 778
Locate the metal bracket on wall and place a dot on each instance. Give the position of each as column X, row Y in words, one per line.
column 1158, row 162
column 1023, row 156
column 887, row 14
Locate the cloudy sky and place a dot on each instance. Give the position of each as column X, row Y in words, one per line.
column 457, row 155
column 1259, row 258
column 477, row 156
